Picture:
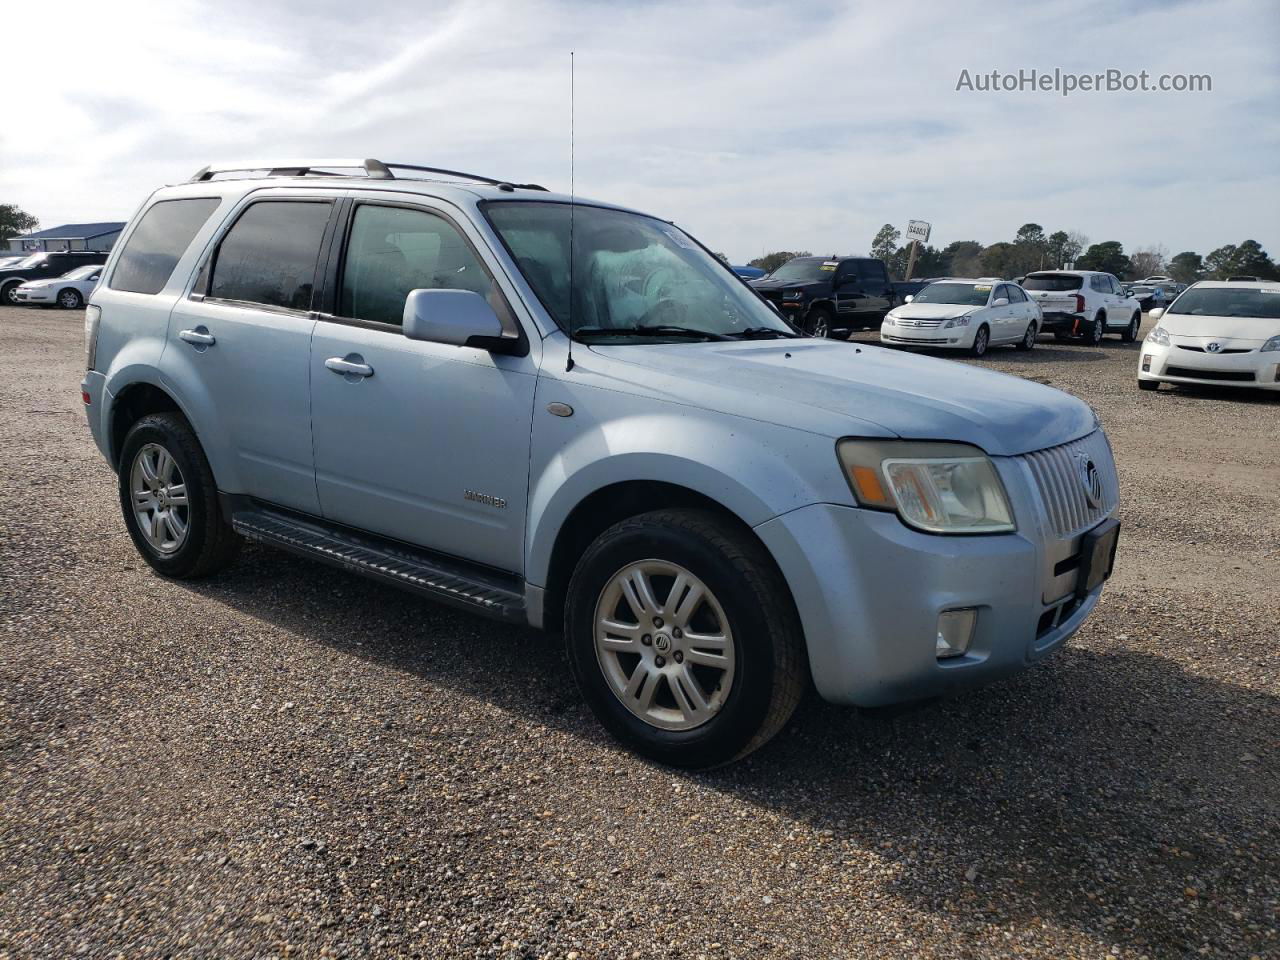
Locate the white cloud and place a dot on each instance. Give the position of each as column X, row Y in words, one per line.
column 757, row 126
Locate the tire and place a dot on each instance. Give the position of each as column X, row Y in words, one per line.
column 1131, row 331
column 818, row 322
column 70, row 299
column 744, row 599
column 7, row 294
column 1028, row 340
column 1148, row 384
column 981, row 340
column 207, row 543
column 1094, row 336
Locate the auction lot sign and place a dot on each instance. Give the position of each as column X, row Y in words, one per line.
column 918, row 230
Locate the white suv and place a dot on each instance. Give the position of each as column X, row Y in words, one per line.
column 1085, row 304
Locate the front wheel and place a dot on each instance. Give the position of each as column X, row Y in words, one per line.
column 818, row 323
column 9, row 295
column 981, row 340
column 1131, row 331
column 1029, row 338
column 70, row 299
column 683, row 638
column 170, row 501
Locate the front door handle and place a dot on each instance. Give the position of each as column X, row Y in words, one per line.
column 199, row 337
column 352, row 366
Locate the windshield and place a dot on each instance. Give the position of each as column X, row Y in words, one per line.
column 961, row 294
column 82, row 273
column 804, row 268
column 1142, row 289
column 1052, row 282
column 1228, row 302
column 32, row 260
column 629, row 271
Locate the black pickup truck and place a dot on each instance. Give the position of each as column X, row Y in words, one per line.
column 823, row 295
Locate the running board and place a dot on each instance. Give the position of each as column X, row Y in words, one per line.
column 436, row 577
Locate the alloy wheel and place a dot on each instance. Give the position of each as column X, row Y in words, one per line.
column 159, row 498
column 69, row 299
column 664, row 644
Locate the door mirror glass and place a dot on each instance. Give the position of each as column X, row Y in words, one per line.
column 460, row 318
column 1000, row 302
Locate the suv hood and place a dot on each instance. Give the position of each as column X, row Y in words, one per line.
column 842, row 389
column 1204, row 327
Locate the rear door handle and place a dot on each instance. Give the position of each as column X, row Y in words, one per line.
column 199, row 337
column 350, row 366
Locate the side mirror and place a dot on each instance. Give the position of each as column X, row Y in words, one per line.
column 908, row 298
column 1156, row 314
column 1000, row 302
column 459, row 318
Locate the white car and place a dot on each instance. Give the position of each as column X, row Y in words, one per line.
column 964, row 315
column 69, row 291
column 1084, row 303
column 1216, row 334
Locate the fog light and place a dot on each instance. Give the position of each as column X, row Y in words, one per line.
column 1146, row 362
column 955, row 631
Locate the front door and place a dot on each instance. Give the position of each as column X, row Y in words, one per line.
column 244, row 341
column 424, row 443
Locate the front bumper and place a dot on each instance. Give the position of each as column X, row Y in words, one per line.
column 899, row 335
column 869, row 591
column 32, row 296
column 1192, row 364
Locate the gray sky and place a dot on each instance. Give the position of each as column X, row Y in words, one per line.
column 756, row 126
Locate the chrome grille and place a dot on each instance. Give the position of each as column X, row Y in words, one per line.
column 919, row 323
column 1058, row 476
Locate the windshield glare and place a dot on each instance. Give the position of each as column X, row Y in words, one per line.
column 1052, row 282
column 804, row 268
column 960, row 294
column 81, row 273
column 32, row 260
column 629, row 271
column 1228, row 302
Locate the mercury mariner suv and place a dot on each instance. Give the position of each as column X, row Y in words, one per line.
column 571, row 415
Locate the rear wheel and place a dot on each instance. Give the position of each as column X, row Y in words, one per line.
column 818, row 323
column 1094, row 336
column 170, row 501
column 70, row 299
column 1029, row 338
column 683, row 638
column 1131, row 331
column 981, row 340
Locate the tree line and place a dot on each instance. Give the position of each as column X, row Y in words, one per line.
column 1033, row 249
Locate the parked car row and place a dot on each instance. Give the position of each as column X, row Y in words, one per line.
column 53, row 279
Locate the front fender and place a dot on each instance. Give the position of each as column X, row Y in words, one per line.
column 755, row 470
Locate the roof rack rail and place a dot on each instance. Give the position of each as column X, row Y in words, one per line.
column 372, row 169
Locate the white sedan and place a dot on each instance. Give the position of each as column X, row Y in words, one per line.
column 1221, row 334
column 71, row 290
column 964, row 315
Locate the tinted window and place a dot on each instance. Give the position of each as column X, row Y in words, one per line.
column 269, row 256
column 872, row 270
column 1053, row 282
column 1016, row 295
column 160, row 238
column 392, row 251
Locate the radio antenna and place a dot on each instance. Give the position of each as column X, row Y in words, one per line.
column 569, row 360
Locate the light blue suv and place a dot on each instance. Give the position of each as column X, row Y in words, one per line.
column 572, row 415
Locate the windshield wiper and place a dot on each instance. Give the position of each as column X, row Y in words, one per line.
column 763, row 333
column 642, row 330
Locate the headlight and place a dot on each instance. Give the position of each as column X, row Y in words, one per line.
column 889, row 320
column 957, row 322
column 1159, row 336
column 1270, row 345
column 936, row 487
column 792, row 295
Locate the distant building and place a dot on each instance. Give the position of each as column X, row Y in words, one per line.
column 71, row 236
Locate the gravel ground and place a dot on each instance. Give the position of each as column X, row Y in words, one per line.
column 289, row 760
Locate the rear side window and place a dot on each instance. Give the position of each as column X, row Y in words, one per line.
column 158, row 241
column 269, row 255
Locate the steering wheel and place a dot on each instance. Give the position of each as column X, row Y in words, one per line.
column 665, row 313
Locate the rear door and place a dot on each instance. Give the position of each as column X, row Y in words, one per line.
column 242, row 341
